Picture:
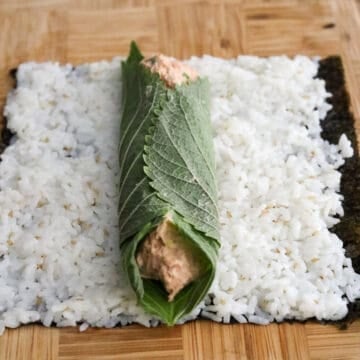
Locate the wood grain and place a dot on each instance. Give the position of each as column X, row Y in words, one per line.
column 88, row 30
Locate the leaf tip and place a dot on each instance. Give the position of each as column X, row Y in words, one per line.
column 135, row 54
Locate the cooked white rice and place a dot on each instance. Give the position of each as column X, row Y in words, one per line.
column 278, row 193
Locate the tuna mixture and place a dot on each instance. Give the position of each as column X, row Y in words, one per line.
column 173, row 72
column 164, row 256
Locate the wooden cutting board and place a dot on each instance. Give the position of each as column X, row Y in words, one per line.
column 79, row 31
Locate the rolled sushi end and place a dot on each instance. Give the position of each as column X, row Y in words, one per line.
column 173, row 72
column 169, row 241
column 168, row 256
column 165, row 254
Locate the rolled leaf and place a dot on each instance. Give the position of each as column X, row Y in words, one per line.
column 167, row 170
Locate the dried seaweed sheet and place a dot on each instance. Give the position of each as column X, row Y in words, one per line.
column 339, row 120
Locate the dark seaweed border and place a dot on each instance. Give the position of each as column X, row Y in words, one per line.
column 339, row 120
column 5, row 133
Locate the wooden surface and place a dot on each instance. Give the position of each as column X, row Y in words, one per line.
column 86, row 30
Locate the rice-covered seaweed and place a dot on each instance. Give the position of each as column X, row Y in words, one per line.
column 67, row 272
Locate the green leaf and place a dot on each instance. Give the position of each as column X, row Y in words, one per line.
column 142, row 93
column 179, row 156
column 166, row 167
column 151, row 294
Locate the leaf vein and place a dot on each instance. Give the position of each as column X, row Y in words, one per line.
column 138, row 129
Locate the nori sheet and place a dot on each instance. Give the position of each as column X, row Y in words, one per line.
column 5, row 133
column 339, row 120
